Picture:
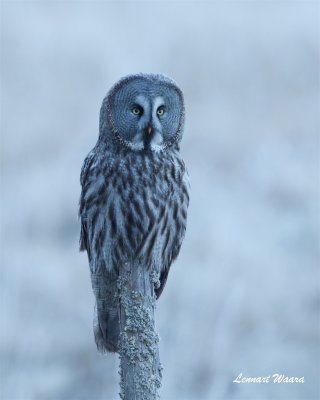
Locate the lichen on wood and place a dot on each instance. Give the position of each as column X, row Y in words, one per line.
column 140, row 367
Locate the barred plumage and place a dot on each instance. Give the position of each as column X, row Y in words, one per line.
column 135, row 196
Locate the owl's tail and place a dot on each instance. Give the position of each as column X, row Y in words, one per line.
column 106, row 325
column 106, row 329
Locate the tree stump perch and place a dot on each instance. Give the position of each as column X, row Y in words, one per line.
column 140, row 367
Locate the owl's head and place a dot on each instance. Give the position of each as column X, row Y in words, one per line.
column 143, row 112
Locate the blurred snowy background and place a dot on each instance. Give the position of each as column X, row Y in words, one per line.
column 244, row 294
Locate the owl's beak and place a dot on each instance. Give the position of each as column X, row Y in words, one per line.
column 149, row 130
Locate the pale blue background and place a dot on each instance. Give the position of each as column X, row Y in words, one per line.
column 244, row 294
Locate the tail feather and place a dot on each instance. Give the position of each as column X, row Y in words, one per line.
column 106, row 330
column 106, row 325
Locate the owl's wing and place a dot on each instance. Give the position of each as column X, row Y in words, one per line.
column 163, row 279
column 87, row 163
column 104, row 282
column 177, row 228
column 89, row 160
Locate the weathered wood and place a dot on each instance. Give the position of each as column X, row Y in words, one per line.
column 140, row 367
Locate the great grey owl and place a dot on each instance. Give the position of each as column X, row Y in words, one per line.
column 135, row 191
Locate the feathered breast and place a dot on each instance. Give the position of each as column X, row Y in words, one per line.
column 133, row 206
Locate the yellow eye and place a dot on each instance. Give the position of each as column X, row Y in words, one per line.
column 136, row 111
column 160, row 111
